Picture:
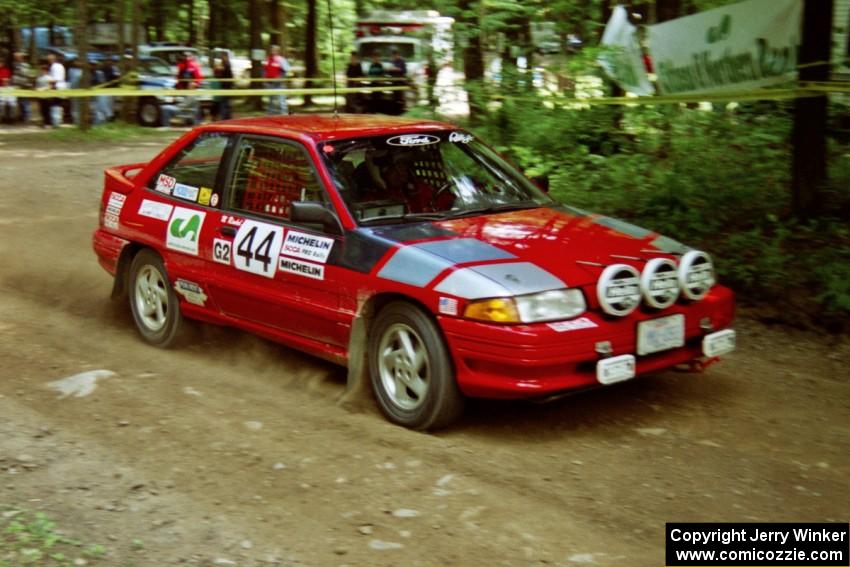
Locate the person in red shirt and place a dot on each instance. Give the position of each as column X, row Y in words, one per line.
column 276, row 67
column 7, row 104
column 189, row 76
column 5, row 74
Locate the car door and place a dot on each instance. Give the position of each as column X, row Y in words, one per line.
column 270, row 271
column 178, row 209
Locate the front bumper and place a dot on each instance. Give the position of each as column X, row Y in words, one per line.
column 526, row 361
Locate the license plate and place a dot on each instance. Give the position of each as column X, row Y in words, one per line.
column 719, row 343
column 660, row 334
column 615, row 369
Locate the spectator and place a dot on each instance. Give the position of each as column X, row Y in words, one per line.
column 102, row 107
column 376, row 69
column 398, row 71
column 189, row 77
column 399, row 68
column 353, row 74
column 57, row 83
column 43, row 83
column 75, row 77
column 223, row 70
column 7, row 103
column 22, row 79
column 276, row 67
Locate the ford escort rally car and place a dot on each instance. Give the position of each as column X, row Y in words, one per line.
column 408, row 251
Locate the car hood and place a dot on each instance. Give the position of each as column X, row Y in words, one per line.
column 521, row 251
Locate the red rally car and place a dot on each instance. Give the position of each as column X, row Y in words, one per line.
column 408, row 251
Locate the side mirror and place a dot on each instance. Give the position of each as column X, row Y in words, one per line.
column 313, row 212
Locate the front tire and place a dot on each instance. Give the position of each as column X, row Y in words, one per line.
column 155, row 307
column 410, row 370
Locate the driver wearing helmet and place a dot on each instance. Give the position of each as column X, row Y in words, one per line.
column 393, row 177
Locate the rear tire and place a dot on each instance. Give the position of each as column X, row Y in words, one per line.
column 155, row 306
column 411, row 373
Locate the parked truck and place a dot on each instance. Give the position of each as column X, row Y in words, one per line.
column 421, row 37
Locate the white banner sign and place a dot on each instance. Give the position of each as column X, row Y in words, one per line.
column 623, row 60
column 737, row 47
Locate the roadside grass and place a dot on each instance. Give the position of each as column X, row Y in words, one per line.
column 31, row 538
column 112, row 132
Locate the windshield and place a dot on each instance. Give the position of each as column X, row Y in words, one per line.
column 437, row 175
column 386, row 49
column 172, row 55
column 155, row 66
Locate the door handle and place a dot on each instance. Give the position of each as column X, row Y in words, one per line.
column 226, row 230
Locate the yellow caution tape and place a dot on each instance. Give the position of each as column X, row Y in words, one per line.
column 125, row 91
column 804, row 89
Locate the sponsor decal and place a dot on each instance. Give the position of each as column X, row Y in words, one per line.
column 110, row 221
column 222, row 250
column 191, row 291
column 155, row 209
column 187, row 192
column 204, row 196
column 214, row 200
column 231, row 220
column 307, row 269
column 184, row 230
column 165, row 184
column 574, row 325
column 460, row 137
column 413, row 140
column 448, row 306
column 257, row 247
column 307, row 246
column 113, row 210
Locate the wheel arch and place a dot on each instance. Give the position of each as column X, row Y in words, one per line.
column 122, row 271
column 358, row 343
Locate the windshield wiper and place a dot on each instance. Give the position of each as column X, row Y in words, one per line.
column 504, row 207
column 404, row 217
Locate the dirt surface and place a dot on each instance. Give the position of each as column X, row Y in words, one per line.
column 237, row 451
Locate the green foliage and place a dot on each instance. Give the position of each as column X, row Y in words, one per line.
column 717, row 179
column 33, row 539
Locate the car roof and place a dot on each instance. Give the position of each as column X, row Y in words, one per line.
column 327, row 127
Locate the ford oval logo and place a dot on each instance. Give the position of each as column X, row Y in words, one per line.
column 413, row 140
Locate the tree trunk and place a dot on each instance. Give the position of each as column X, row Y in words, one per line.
column 473, row 58
column 667, row 10
column 256, row 23
column 811, row 113
column 311, row 63
column 31, row 54
column 83, row 60
column 158, row 13
column 193, row 31
column 122, row 60
column 212, row 24
column 276, row 20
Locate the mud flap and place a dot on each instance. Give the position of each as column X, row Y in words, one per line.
column 357, row 388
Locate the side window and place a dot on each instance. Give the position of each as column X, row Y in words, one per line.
column 192, row 174
column 269, row 175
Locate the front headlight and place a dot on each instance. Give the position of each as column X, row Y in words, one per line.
column 554, row 305
column 696, row 275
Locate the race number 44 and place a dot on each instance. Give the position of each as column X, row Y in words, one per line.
column 257, row 246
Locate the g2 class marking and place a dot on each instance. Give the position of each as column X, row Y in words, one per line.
column 222, row 251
